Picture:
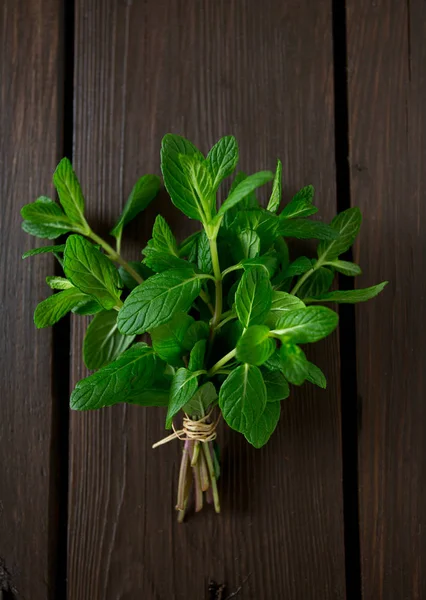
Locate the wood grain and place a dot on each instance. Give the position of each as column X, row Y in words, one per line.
column 29, row 134
column 387, row 99
column 262, row 71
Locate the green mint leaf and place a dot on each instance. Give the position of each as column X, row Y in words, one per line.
column 222, row 159
column 300, row 205
column 47, row 219
column 51, row 310
column 188, row 244
column 155, row 394
column 293, row 363
column 173, row 147
column 253, row 297
column 197, row 331
column 275, row 199
column 163, row 238
column 70, row 194
column 306, row 325
column 315, row 375
column 242, row 398
column 135, row 369
column 261, row 431
column 184, row 385
column 298, row 267
column 201, row 184
column 91, row 271
column 204, row 257
column 196, row 358
column 163, row 261
column 306, row 229
column 103, row 343
column 128, row 280
column 167, row 339
column 255, row 346
column 59, row 283
column 282, row 302
column 44, row 250
column 345, row 267
column 157, row 299
column 88, row 306
column 247, row 245
column 318, row 283
column 346, row 225
column 249, row 202
column 143, row 192
column 243, row 189
column 267, row 262
column 277, row 387
column 201, row 401
column 349, row 296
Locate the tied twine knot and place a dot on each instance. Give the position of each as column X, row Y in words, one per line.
column 200, row 430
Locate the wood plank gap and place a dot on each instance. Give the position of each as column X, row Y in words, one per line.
column 347, row 330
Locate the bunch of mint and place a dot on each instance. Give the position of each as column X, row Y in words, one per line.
column 226, row 309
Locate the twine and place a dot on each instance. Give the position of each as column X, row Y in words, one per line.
column 201, row 430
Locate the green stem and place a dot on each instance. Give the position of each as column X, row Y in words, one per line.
column 208, row 456
column 218, row 283
column 204, row 297
column 222, row 362
column 224, row 321
column 115, row 256
column 230, row 269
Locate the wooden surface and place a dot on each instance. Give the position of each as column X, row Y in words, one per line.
column 29, row 136
column 387, row 108
column 273, row 74
column 263, row 72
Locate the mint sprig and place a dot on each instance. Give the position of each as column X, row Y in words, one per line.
column 227, row 309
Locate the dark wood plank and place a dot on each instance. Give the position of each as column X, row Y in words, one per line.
column 29, row 134
column 262, row 71
column 387, row 101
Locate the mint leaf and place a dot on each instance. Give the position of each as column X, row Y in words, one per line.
column 143, row 192
column 298, row 267
column 255, row 346
column 174, row 174
column 103, row 343
column 43, row 250
column 201, row 184
column 318, row 283
column 306, row 229
column 197, row 331
column 91, row 271
column 157, row 299
column 167, row 339
column 184, row 385
column 253, row 297
column 45, row 218
column 201, row 401
column 261, row 431
column 293, row 363
column 301, row 204
column 51, row 310
column 163, row 261
column 275, row 199
column 249, row 184
column 267, row 261
column 128, row 280
column 88, row 306
column 276, row 384
column 261, row 221
column 59, row 283
column 204, row 258
column 349, row 296
column 282, row 302
column 345, row 267
column 247, row 245
column 196, row 358
column 249, row 202
column 315, row 375
column 222, row 159
column 135, row 369
column 155, row 394
column 70, row 194
column 242, row 398
column 306, row 324
column 346, row 225
column 163, row 238
column 188, row 244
